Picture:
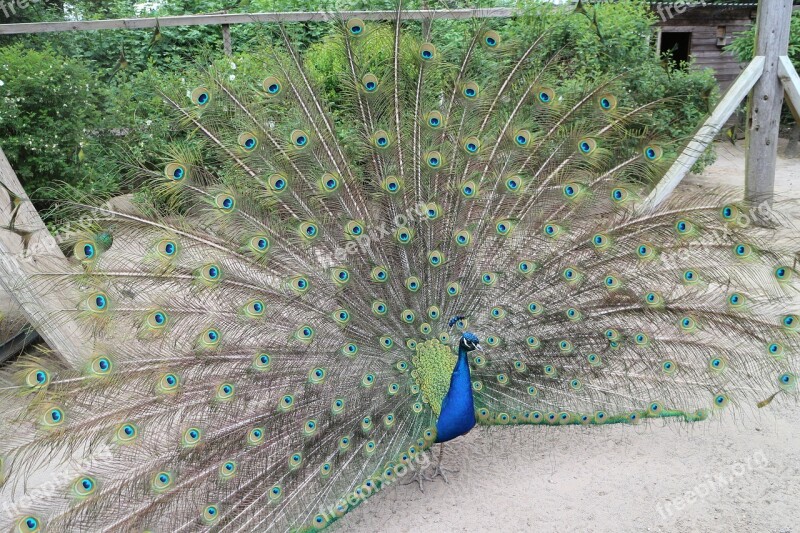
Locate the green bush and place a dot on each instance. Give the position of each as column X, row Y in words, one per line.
column 74, row 105
column 743, row 46
column 51, row 107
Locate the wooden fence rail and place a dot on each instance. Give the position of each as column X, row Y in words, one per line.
column 224, row 19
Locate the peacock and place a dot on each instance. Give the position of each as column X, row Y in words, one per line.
column 313, row 288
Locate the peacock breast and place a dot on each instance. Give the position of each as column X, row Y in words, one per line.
column 434, row 363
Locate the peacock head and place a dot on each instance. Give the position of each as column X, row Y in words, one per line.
column 469, row 342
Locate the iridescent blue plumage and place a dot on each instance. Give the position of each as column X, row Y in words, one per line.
column 458, row 408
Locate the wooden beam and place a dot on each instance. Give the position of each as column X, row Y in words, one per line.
column 704, row 135
column 28, row 249
column 250, row 18
column 227, row 45
column 766, row 100
column 791, row 85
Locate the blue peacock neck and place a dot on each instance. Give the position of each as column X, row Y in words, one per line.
column 458, row 408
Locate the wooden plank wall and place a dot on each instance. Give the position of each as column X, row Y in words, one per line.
column 703, row 23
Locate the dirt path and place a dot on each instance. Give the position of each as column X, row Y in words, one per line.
column 724, row 475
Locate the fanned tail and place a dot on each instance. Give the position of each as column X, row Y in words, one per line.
column 271, row 319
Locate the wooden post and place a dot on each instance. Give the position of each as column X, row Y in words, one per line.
column 766, row 100
column 226, row 40
column 28, row 249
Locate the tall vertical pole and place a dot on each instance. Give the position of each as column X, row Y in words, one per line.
column 226, row 40
column 766, row 100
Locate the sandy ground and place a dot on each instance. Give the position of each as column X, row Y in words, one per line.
column 731, row 474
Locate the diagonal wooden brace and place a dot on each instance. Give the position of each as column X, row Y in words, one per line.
column 26, row 250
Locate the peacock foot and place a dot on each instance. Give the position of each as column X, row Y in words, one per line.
column 418, row 477
column 439, row 470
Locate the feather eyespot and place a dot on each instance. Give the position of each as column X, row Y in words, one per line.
column 210, row 338
column 369, row 82
column 522, row 137
column 354, row 228
column 191, row 437
column 98, row 302
column 587, row 146
column 435, row 258
column 545, row 95
column 489, row 278
column 168, row 384
column 470, row 90
column 504, row 227
column 248, row 141
column 37, row 378
column 210, row 514
column 469, row 189
column 379, row 307
column 258, row 244
column 463, row 238
column 433, row 159
column 256, row 436
column 29, row 524
column 380, row 139
column 161, row 481
column 175, row 171
column 85, row 251
column 262, row 362
column 355, row 27
column 225, row 202
column 403, row 234
column 340, row 275
column 84, row 486
column 308, row 230
column 330, row 182
column 299, row 139
column 201, row 96
column 272, row 86
column 391, row 184
column 491, row 39
column 434, row 119
column 653, row 153
column 427, row 51
column 472, row 145
column 607, row 102
column 337, row 406
column 225, row 392
column 101, row 366
column 304, row 334
column 126, row 433
column 783, row 273
column 277, row 183
column 228, row 469
column 379, row 274
column 729, row 212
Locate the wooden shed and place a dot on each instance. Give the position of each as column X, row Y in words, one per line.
column 700, row 30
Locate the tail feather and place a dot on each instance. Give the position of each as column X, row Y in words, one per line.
column 260, row 319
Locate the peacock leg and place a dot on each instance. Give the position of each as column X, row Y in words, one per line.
column 419, row 477
column 439, row 470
